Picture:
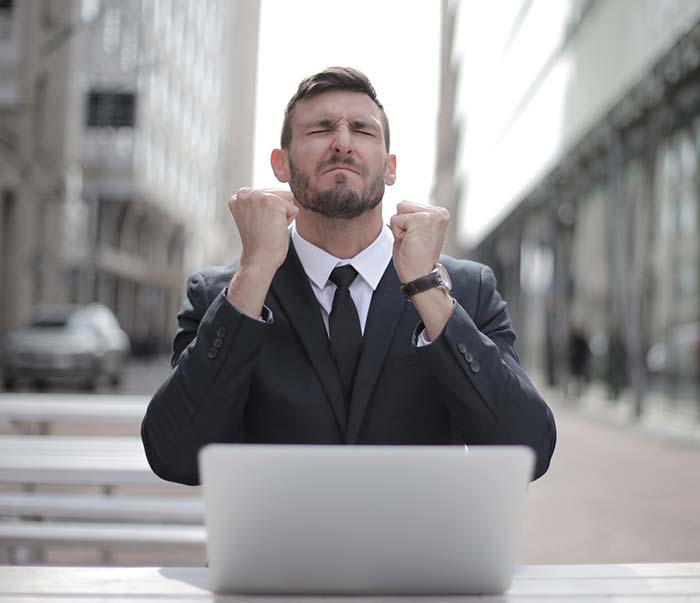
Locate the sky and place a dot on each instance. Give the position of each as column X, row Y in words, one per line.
column 395, row 43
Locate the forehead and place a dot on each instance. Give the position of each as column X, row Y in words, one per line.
column 335, row 104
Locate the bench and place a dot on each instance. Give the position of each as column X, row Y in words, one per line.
column 38, row 413
column 137, row 509
column 26, row 542
column 100, row 534
column 74, row 460
column 36, row 519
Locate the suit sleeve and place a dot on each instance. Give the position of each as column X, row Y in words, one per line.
column 199, row 402
column 487, row 393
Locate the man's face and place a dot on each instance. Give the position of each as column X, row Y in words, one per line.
column 337, row 164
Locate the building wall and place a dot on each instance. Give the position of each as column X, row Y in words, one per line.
column 34, row 68
column 581, row 154
column 545, row 75
column 102, row 202
column 447, row 186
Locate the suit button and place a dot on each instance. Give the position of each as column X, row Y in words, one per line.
column 212, row 353
column 461, row 347
column 469, row 358
column 218, row 342
column 221, row 332
column 475, row 366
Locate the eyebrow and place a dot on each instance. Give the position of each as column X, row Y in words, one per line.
column 363, row 124
column 327, row 122
column 323, row 122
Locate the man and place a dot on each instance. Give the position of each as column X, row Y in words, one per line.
column 290, row 345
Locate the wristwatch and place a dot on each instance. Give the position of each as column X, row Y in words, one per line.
column 437, row 277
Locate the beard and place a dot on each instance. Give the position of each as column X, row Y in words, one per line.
column 339, row 201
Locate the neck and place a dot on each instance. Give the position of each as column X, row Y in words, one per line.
column 343, row 239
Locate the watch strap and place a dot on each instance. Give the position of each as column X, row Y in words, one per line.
column 423, row 283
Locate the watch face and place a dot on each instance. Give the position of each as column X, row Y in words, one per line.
column 445, row 277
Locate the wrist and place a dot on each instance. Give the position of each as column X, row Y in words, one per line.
column 437, row 277
column 435, row 307
column 252, row 277
column 248, row 288
column 408, row 274
column 259, row 267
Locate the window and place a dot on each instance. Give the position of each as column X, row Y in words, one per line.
column 6, row 8
column 111, row 109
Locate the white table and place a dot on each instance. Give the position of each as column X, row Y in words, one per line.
column 664, row 582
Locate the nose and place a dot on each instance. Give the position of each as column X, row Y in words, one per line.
column 342, row 143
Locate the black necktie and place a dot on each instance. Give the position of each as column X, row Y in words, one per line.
column 344, row 327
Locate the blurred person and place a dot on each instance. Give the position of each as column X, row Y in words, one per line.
column 579, row 360
column 332, row 327
column 616, row 370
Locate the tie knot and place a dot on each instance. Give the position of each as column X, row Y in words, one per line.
column 342, row 276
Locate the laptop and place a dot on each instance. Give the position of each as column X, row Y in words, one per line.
column 310, row 519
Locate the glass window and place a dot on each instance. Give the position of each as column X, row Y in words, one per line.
column 673, row 358
column 111, row 109
column 111, row 33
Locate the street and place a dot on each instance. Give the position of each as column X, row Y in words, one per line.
column 612, row 494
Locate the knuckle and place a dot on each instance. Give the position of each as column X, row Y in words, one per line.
column 242, row 193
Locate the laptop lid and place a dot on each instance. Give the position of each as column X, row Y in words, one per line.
column 363, row 519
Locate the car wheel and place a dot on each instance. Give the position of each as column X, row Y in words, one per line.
column 90, row 385
column 9, row 383
column 115, row 380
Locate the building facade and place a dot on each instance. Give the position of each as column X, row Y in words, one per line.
column 34, row 150
column 158, row 131
column 581, row 157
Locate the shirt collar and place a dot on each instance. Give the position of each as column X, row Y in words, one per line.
column 370, row 263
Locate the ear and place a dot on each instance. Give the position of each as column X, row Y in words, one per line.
column 279, row 159
column 390, row 174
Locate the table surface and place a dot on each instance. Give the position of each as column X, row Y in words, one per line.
column 551, row 583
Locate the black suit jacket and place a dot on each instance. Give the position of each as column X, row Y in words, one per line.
column 236, row 379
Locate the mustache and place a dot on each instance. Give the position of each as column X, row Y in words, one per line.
column 336, row 160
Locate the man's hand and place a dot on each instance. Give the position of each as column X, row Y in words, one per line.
column 419, row 233
column 262, row 217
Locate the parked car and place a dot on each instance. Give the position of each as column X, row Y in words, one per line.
column 79, row 344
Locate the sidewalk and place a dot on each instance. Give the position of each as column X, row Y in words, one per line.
column 675, row 422
column 617, row 490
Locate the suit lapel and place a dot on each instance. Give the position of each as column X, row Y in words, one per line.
column 388, row 304
column 292, row 290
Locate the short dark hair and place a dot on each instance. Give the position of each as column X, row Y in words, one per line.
column 332, row 78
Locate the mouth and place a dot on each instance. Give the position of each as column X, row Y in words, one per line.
column 339, row 168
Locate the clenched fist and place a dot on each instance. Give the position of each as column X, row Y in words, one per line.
column 419, row 233
column 263, row 217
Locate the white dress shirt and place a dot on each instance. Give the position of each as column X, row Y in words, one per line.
column 370, row 264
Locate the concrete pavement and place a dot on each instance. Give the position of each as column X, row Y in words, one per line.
column 613, row 494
